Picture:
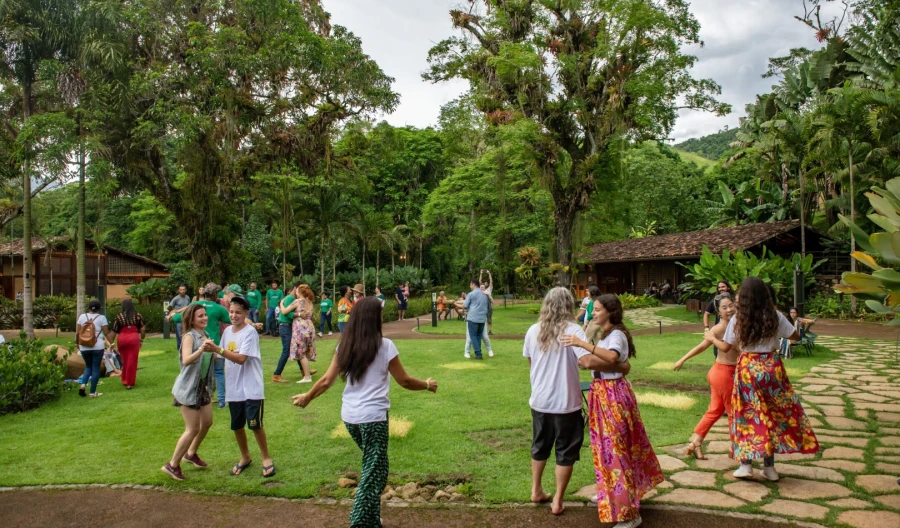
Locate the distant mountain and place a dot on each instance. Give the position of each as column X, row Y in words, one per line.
column 710, row 147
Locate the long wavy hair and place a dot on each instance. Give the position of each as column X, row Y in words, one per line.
column 306, row 293
column 360, row 340
column 556, row 313
column 757, row 319
column 613, row 306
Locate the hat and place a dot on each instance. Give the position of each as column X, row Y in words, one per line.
column 235, row 289
column 359, row 289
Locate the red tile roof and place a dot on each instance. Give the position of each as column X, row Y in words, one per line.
column 38, row 244
column 683, row 245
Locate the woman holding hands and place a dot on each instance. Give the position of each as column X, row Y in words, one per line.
column 364, row 359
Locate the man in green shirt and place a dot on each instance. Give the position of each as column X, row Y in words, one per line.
column 254, row 297
column 273, row 297
column 285, row 322
column 325, row 306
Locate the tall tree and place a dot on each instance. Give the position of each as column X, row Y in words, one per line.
column 588, row 73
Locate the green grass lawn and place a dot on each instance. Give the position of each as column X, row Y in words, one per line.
column 477, row 426
column 514, row 319
column 680, row 314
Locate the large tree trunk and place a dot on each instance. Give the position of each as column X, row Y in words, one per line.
column 27, row 293
column 322, row 262
column 80, row 274
column 364, row 268
column 802, row 218
column 377, row 265
column 563, row 225
column 333, row 273
column 852, row 219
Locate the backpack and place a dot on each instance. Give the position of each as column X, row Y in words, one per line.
column 87, row 336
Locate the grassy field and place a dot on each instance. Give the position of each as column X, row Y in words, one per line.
column 477, row 427
column 514, row 319
column 680, row 314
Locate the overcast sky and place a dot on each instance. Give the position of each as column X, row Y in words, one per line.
column 738, row 41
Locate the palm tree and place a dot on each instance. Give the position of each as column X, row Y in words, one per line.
column 381, row 236
column 326, row 207
column 32, row 31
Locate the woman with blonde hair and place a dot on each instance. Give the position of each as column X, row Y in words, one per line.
column 303, row 332
column 555, row 401
column 720, row 377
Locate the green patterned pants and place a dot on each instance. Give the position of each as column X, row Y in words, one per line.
column 372, row 438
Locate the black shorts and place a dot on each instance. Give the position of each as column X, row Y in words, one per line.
column 249, row 413
column 565, row 431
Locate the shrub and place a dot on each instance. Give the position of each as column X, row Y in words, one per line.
column 836, row 306
column 152, row 290
column 29, row 376
column 630, row 302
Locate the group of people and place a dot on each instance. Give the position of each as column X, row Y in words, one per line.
column 115, row 346
column 748, row 382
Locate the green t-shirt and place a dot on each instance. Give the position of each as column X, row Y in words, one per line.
column 287, row 317
column 273, row 297
column 254, row 298
column 221, row 293
column 216, row 314
column 590, row 312
column 325, row 306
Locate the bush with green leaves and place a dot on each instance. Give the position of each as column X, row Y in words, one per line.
column 776, row 271
column 837, row 306
column 29, row 375
column 150, row 291
column 49, row 310
column 631, row 302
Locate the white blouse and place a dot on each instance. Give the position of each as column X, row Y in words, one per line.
column 785, row 329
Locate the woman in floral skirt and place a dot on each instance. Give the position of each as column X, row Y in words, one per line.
column 768, row 417
column 626, row 466
column 303, row 334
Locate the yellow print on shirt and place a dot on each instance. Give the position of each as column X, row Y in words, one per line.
column 232, row 346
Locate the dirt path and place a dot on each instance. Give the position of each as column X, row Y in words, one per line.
column 133, row 508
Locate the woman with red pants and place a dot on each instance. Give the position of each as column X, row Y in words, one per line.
column 720, row 377
column 129, row 330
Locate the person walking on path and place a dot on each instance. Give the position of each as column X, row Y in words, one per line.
column 402, row 301
column 216, row 314
column 624, row 461
column 273, row 297
column 191, row 391
column 325, row 306
column 303, row 332
column 345, row 305
column 254, row 297
column 555, row 402
column 768, row 417
column 720, row 377
column 129, row 332
column 285, row 326
column 488, row 289
column 477, row 308
column 91, row 334
column 178, row 303
column 244, row 376
column 364, row 359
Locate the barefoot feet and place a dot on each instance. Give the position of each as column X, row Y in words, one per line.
column 540, row 496
column 556, row 507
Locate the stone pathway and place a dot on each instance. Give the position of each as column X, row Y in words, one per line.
column 647, row 317
column 854, row 403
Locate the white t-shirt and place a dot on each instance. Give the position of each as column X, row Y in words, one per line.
column 366, row 400
column 585, row 302
column 785, row 329
column 617, row 341
column 555, row 387
column 99, row 322
column 243, row 382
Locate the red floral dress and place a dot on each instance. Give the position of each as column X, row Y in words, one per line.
column 303, row 333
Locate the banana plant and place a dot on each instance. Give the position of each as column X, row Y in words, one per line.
column 880, row 252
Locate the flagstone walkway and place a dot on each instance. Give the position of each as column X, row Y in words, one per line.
column 854, row 405
column 647, row 317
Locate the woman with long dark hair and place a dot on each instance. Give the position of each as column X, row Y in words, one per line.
column 92, row 351
column 624, row 461
column 129, row 330
column 720, row 377
column 364, row 359
column 768, row 417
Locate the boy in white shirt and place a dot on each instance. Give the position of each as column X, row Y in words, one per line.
column 244, row 379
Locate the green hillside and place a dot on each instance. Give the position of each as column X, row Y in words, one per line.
column 711, row 147
column 694, row 158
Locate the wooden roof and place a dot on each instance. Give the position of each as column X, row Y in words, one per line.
column 690, row 244
column 38, row 245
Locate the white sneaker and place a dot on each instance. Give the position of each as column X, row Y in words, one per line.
column 320, row 334
column 305, row 380
column 745, row 471
column 770, row 473
column 467, row 356
column 490, row 353
column 329, row 333
column 633, row 523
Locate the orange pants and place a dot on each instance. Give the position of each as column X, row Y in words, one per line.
column 721, row 383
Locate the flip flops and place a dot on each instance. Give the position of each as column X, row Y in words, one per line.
column 238, row 468
column 267, row 468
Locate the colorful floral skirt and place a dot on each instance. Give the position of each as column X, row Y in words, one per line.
column 768, row 417
column 624, row 460
column 303, row 339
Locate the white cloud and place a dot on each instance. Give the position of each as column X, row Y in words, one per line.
column 739, row 38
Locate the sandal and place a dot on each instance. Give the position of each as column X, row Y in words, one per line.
column 695, row 447
column 266, row 470
column 238, row 468
column 96, row 394
column 82, row 392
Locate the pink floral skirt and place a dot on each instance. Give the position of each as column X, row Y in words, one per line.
column 303, row 339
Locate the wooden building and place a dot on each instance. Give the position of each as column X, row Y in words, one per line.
column 53, row 271
column 629, row 266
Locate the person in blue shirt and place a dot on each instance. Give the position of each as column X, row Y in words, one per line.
column 476, row 304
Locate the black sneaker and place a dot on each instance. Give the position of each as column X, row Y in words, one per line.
column 81, row 391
